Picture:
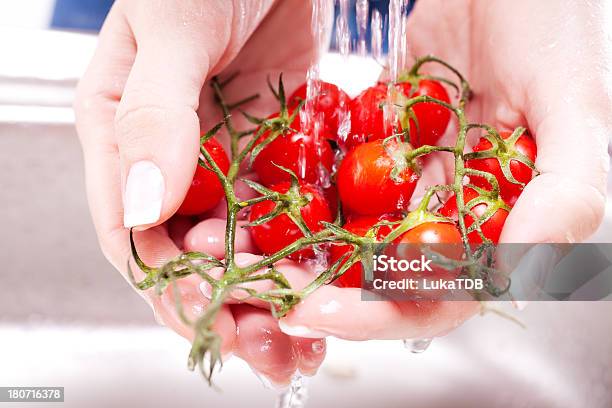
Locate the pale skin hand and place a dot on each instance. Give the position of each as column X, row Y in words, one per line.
column 519, row 79
column 144, row 98
column 543, row 65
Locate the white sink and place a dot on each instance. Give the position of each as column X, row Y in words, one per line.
column 563, row 359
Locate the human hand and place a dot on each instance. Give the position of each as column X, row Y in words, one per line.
column 140, row 109
column 542, row 65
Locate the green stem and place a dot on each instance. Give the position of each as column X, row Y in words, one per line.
column 206, row 342
column 465, row 86
column 319, row 238
column 425, row 150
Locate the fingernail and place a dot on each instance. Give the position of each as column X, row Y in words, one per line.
column 300, row 331
column 144, row 192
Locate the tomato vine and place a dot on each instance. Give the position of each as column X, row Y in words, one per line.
column 205, row 351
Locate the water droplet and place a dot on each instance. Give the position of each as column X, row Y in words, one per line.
column 417, row 346
column 266, row 346
column 295, row 395
column 319, row 263
column 344, row 127
column 318, row 347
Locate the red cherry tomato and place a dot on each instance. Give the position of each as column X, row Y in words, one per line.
column 432, row 118
column 331, row 196
column 365, row 182
column 206, row 191
column 358, row 226
column 367, row 114
column 329, row 105
column 431, row 233
column 521, row 172
column 491, row 228
column 279, row 232
column 306, row 157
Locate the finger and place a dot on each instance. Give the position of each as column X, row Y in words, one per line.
column 268, row 351
column 193, row 305
column 157, row 128
column 97, row 97
column 311, row 352
column 566, row 202
column 260, row 343
column 208, row 236
column 96, row 101
column 342, row 313
column 156, row 248
column 565, row 102
column 178, row 228
column 157, row 125
column 297, row 275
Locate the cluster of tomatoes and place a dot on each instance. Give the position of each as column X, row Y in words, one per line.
column 372, row 175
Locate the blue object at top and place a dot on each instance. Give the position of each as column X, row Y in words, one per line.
column 90, row 14
column 85, row 15
column 383, row 8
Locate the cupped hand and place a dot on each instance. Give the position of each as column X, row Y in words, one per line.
column 141, row 108
column 543, row 65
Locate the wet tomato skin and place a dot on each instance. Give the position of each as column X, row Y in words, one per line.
column 432, row 233
column 509, row 191
column 280, row 232
column 432, row 118
column 301, row 153
column 367, row 114
column 331, row 104
column 491, row 229
column 365, row 185
column 206, row 190
column 360, row 226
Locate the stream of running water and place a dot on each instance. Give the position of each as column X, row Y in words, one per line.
column 395, row 62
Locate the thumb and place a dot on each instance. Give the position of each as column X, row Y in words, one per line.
column 566, row 202
column 157, row 130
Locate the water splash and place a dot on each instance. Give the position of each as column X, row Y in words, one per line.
column 397, row 58
column 319, row 263
column 311, row 122
column 344, row 125
column 343, row 32
column 322, row 14
column 301, row 162
column 362, row 8
column 376, row 40
column 417, row 346
column 398, row 10
column 295, row 395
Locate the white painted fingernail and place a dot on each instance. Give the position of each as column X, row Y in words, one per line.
column 144, row 193
column 299, row 331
